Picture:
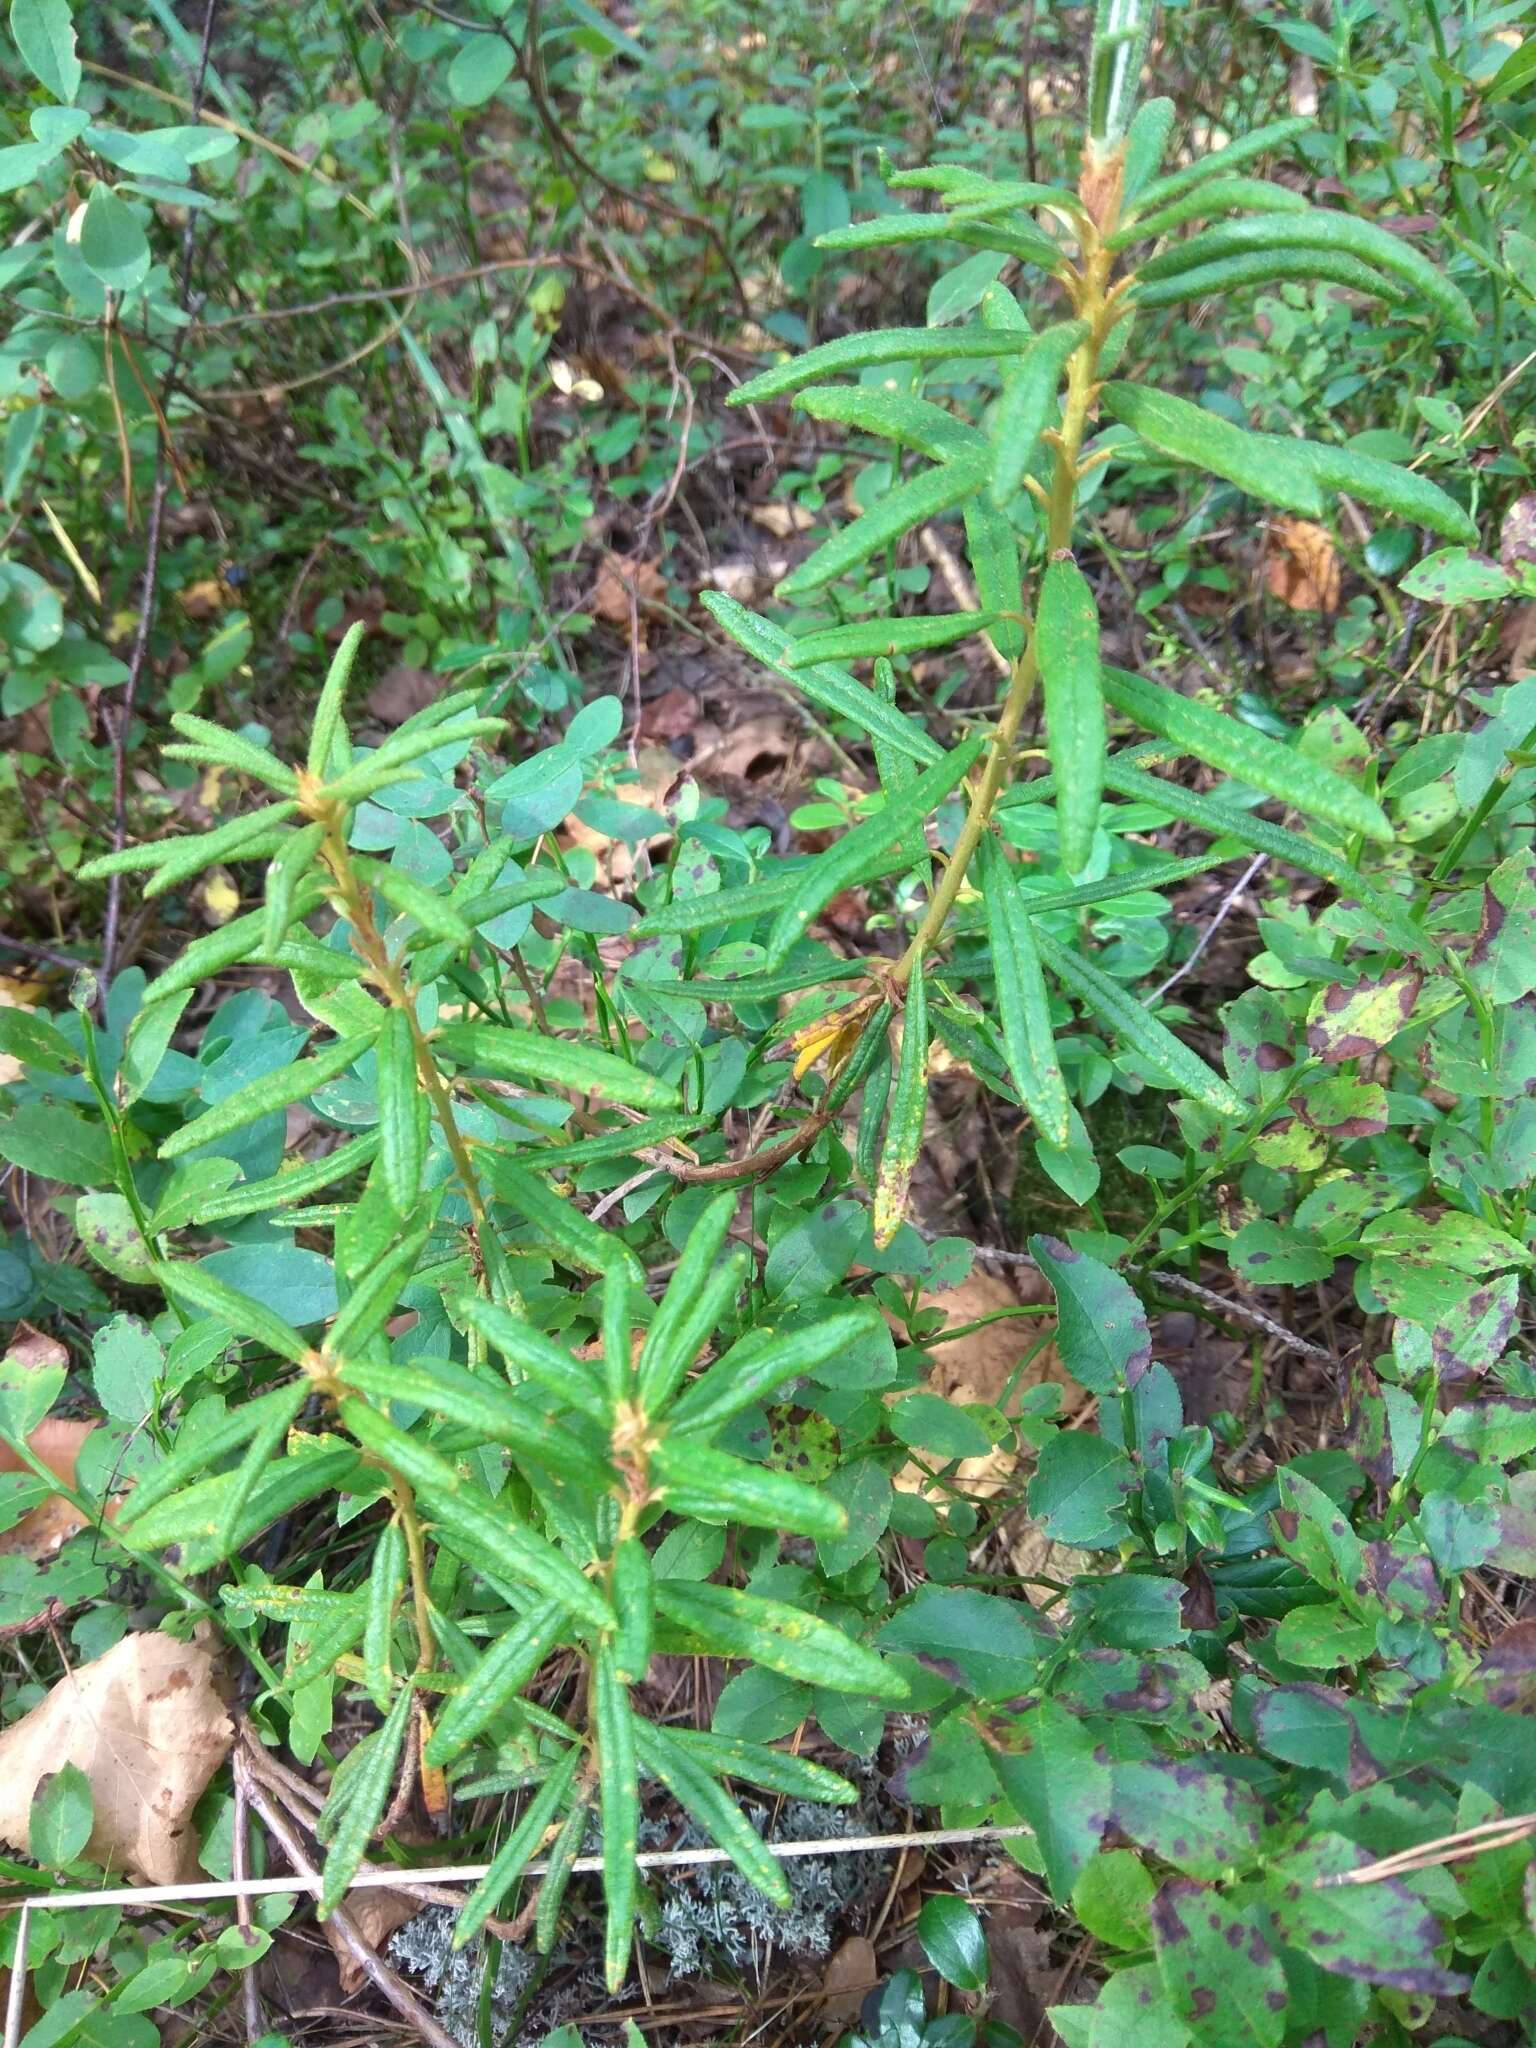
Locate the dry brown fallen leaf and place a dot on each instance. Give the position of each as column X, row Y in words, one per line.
column 1302, row 566
column 623, row 581
column 148, row 1729
column 377, row 1913
column 41, row 1533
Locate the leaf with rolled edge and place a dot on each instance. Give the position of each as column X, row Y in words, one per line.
column 519, row 1849
column 575, row 1240
column 896, row 513
column 1219, row 195
column 570, row 1379
column 1270, row 266
column 368, row 1793
column 1264, row 465
column 559, row 1863
column 413, row 899
column 178, row 857
column 975, row 228
column 497, row 1679
column 285, row 877
column 772, row 1769
column 507, row 1053
column 223, row 1436
column 908, row 1114
column 402, row 1131
column 915, row 423
column 216, row 743
column 888, row 637
column 864, row 847
column 993, row 550
column 633, row 1588
column 240, row 939
column 389, row 764
column 757, row 1363
column 685, row 915
column 753, row 987
column 325, row 756
column 266, row 1441
column 1340, row 234
column 246, row 1316
column 623, row 1139
column 782, row 1638
column 828, row 687
column 713, row 1809
column 461, row 1510
column 613, row 1723
column 1023, row 1003
column 674, row 1337
column 1250, row 756
column 497, row 1412
column 270, row 1092
column 1132, row 1022
column 191, row 1518
column 1067, row 652
column 1390, row 488
column 478, row 907
column 251, row 1197
column 1258, row 142
column 712, row 1486
column 1028, row 407
column 1146, row 144
column 961, row 185
column 1228, row 822
column 854, row 352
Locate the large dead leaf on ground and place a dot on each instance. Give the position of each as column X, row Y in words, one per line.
column 146, row 1726
column 1302, row 566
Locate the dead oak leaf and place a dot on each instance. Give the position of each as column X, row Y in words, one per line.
column 1301, row 567
column 148, row 1729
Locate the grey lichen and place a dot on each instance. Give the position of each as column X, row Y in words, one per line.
column 423, row 1948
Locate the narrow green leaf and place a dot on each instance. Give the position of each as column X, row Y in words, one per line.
column 1067, row 650
column 854, row 352
column 633, row 1589
column 757, row 1363
column 290, row 1186
column 240, row 939
column 496, row 1680
column 915, row 423
column 712, row 1486
column 1216, row 196
column 1266, row 466
column 686, row 915
column 208, row 1448
column 1134, row 1023
column 773, row 1769
column 1258, row 142
column 368, row 1796
column 614, row 1725
column 413, row 899
column 232, row 750
column 994, row 556
column 1390, row 488
column 674, row 1335
column 186, row 856
column 623, row 1139
column 389, row 764
column 465, row 1514
column 558, row 1866
column 558, row 1062
column 897, row 512
column 783, row 1638
column 908, row 1113
column 518, row 1850
column 270, row 1092
column 575, row 1240
column 1335, row 233
column 962, row 185
column 975, row 228
column 244, row 1315
column 1269, row 266
column 330, row 751
column 375, row 1295
column 1024, row 1007
column 192, row 1518
column 1228, row 822
column 540, row 1357
column 1249, row 755
column 386, row 1576
column 402, row 1126
column 713, row 1809
column 501, row 1414
column 1146, row 144
column 1028, row 407
column 288, row 871
column 618, row 1342
column 864, row 846
column 266, row 1441
column 887, row 636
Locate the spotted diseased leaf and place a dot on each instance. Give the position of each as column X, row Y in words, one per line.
column 1473, row 1328
column 1188, row 1812
column 1224, row 1979
column 1101, row 1329
column 1378, row 1932
column 1314, row 1532
column 1354, row 1022
column 1502, row 960
column 1047, row 1767
column 1274, row 1255
column 1079, row 1490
